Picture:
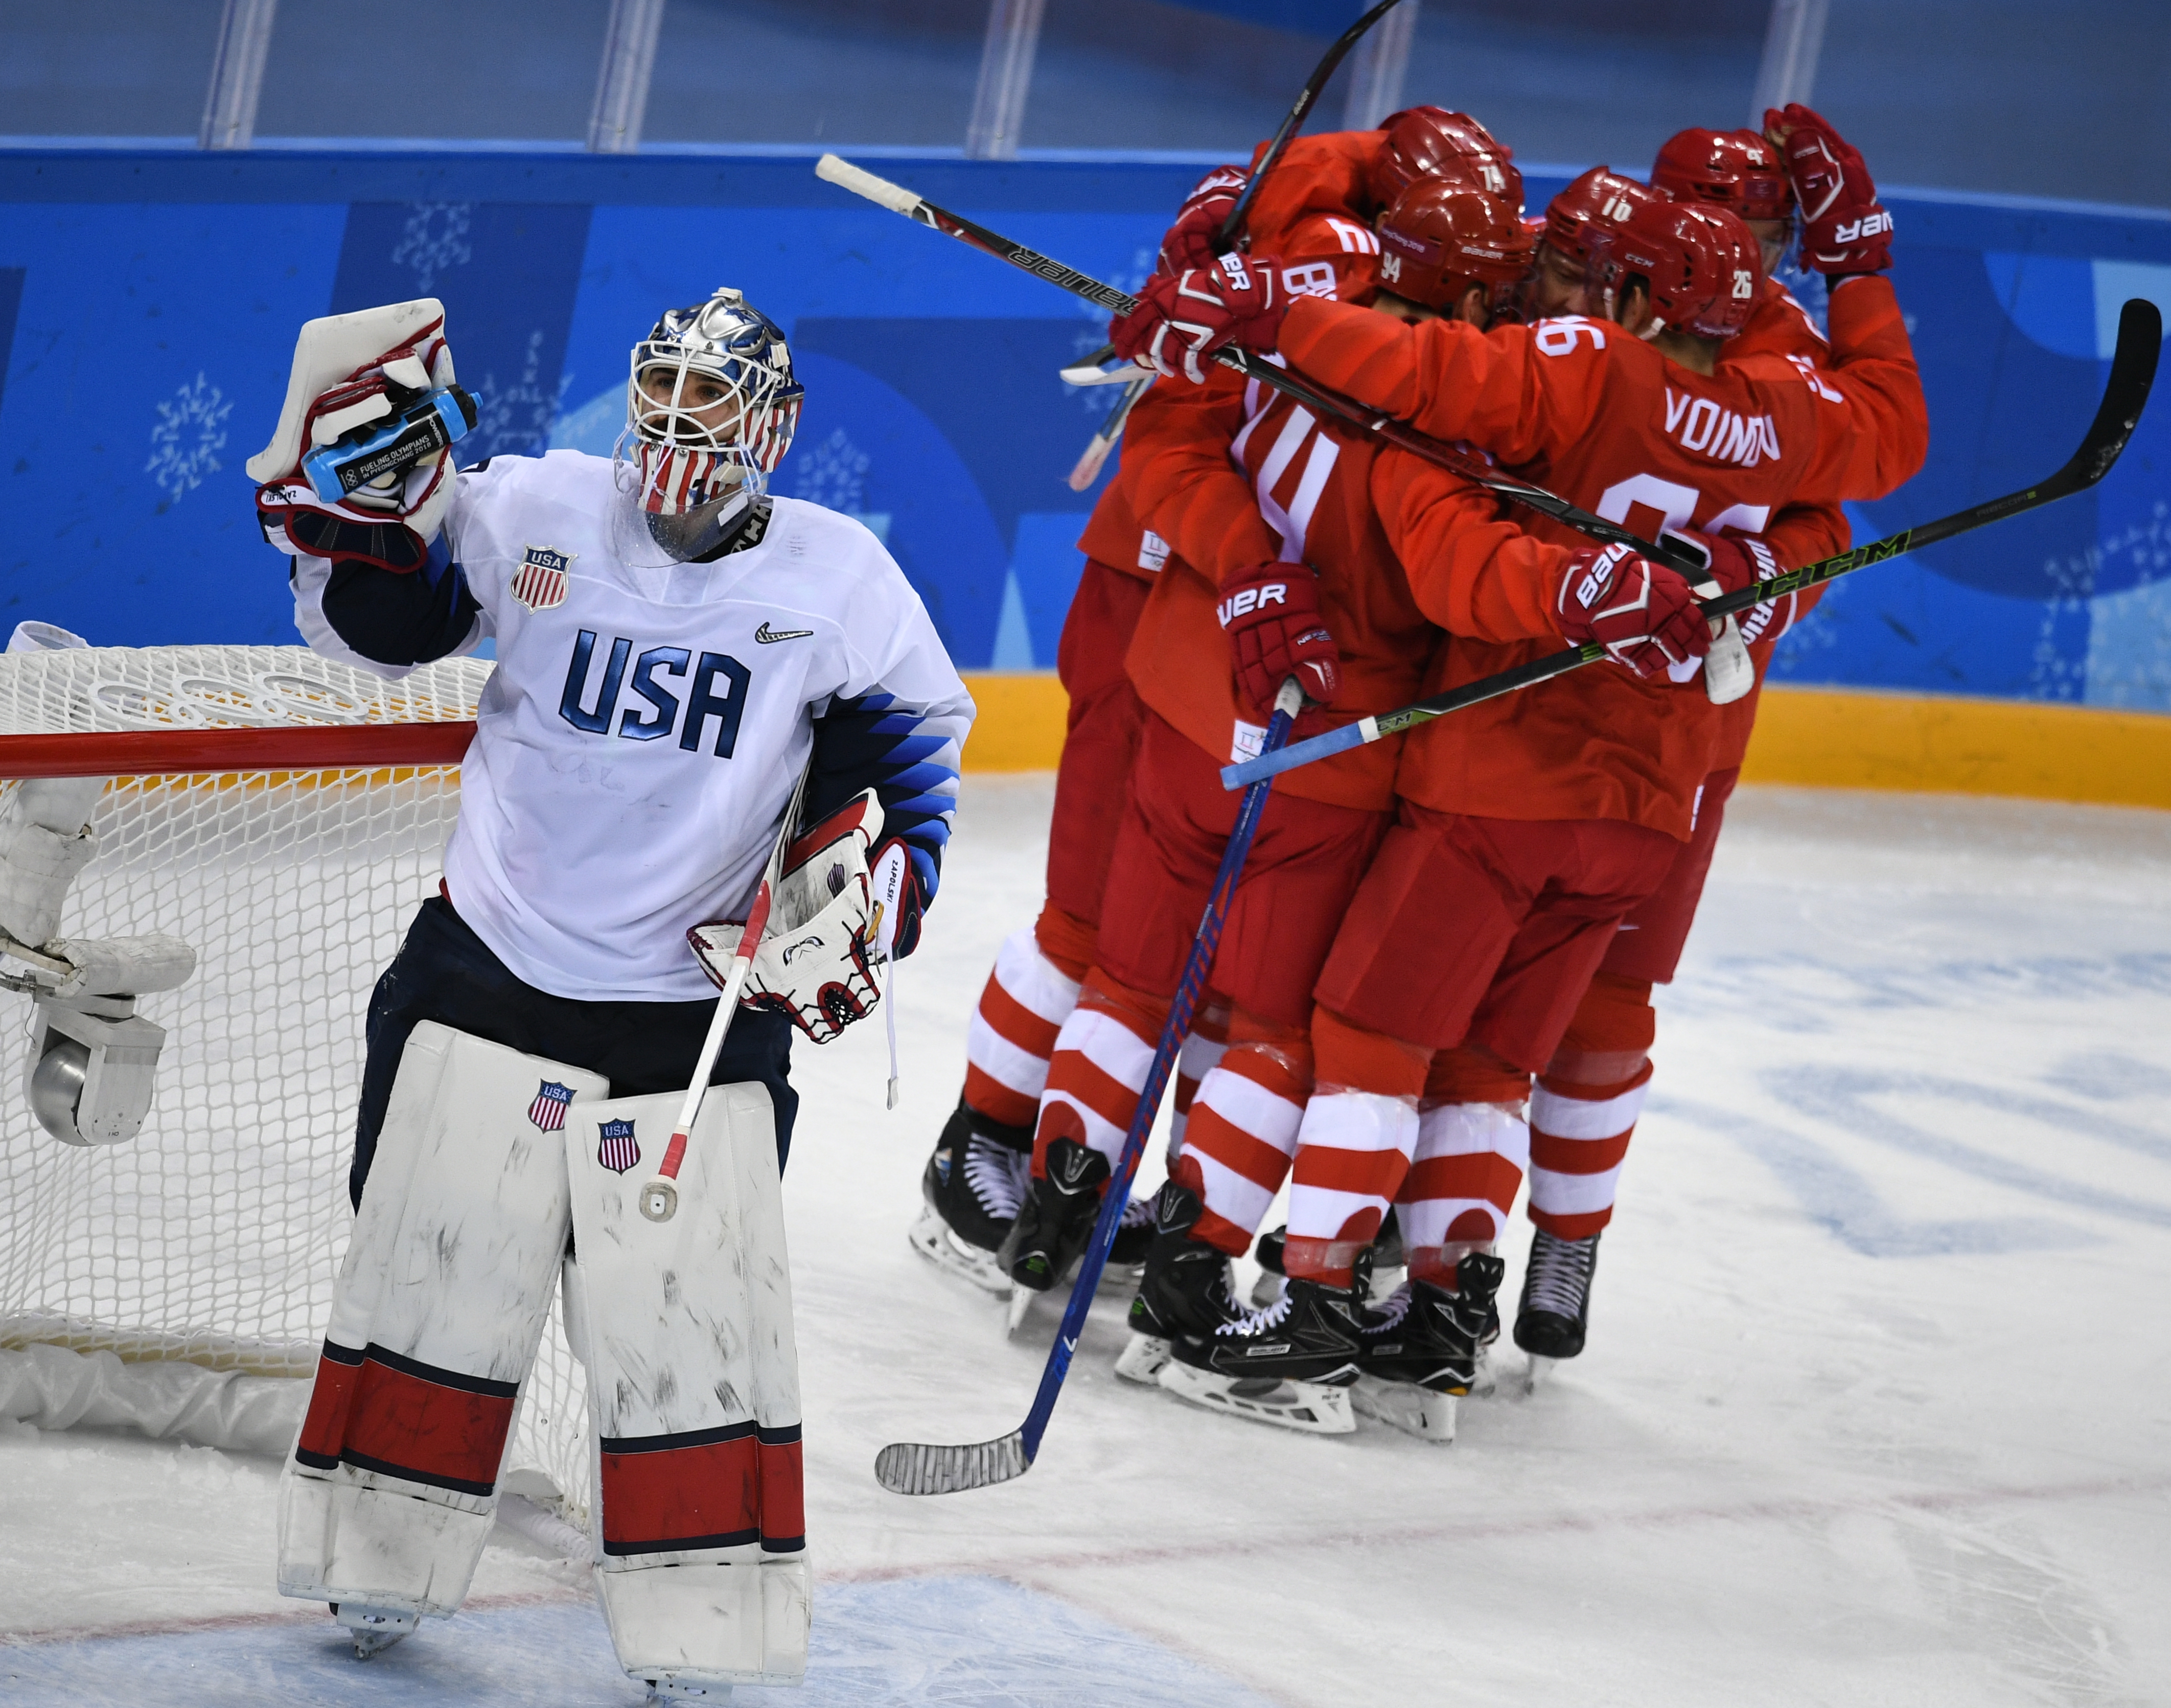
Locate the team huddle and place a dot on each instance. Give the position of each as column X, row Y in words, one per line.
column 1434, row 979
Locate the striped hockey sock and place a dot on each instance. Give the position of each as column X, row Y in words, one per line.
column 1579, row 1137
column 1243, row 1133
column 1025, row 1003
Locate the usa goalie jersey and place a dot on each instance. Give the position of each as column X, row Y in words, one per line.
column 644, row 726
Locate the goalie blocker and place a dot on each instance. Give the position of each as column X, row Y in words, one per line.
column 487, row 1159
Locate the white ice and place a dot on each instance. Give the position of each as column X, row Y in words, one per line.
column 1877, row 1407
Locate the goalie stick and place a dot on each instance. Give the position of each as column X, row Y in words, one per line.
column 1088, row 467
column 1318, row 398
column 2132, row 372
column 659, row 1197
column 926, row 1468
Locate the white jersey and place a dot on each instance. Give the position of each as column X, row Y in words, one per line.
column 642, row 733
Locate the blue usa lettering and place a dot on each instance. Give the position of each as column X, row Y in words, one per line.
column 666, row 689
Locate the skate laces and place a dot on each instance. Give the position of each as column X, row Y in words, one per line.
column 996, row 1176
column 1138, row 1212
column 1254, row 1322
column 1559, row 1277
column 1388, row 1313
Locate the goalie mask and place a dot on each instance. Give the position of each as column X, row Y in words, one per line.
column 711, row 407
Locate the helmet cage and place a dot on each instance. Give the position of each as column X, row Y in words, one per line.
column 689, row 454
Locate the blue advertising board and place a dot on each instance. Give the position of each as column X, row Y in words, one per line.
column 149, row 299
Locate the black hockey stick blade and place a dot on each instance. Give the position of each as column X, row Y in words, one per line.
column 2126, row 395
column 1233, row 227
column 926, row 1468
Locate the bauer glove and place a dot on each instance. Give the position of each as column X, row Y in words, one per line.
column 1271, row 616
column 1844, row 228
column 1643, row 613
column 1180, row 322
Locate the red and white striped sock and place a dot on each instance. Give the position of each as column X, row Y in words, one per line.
column 1203, row 1047
column 1579, row 1137
column 1354, row 1147
column 1024, row 1003
column 1243, row 1131
column 1097, row 1069
column 1463, row 1179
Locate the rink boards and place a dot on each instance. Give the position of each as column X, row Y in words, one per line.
column 148, row 300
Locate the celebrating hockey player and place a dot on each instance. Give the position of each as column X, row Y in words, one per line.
column 680, row 654
column 1315, row 210
column 1533, row 822
column 1585, row 1105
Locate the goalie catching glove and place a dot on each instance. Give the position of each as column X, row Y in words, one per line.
column 360, row 468
column 836, row 916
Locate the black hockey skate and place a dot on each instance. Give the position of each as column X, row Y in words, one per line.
column 1387, row 1257
column 1290, row 1364
column 974, row 1184
column 1185, row 1288
column 1425, row 1348
column 1054, row 1223
column 1554, row 1315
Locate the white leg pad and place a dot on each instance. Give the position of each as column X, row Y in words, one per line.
column 390, row 1490
column 694, row 1378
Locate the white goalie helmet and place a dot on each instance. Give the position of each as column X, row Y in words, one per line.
column 710, row 406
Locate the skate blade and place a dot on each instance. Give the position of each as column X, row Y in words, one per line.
column 1143, row 1359
column 1311, row 1408
column 374, row 1630
column 931, row 1238
column 1538, row 1370
column 1021, row 1298
column 1404, row 1405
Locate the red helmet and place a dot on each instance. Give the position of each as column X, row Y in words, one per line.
column 1595, row 203
column 1735, row 169
column 1704, row 270
column 1432, row 142
column 1440, row 238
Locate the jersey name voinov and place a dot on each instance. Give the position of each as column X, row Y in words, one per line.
column 647, row 709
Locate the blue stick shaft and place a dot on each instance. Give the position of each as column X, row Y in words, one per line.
column 1172, row 1034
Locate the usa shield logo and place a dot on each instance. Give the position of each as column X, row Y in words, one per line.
column 548, row 1110
column 616, row 1148
column 541, row 582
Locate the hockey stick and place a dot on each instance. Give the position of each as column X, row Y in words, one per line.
column 1233, row 227
column 1318, row 398
column 659, row 1198
column 2132, row 372
column 1098, row 447
column 922, row 1468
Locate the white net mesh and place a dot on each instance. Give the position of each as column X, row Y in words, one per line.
column 213, row 1237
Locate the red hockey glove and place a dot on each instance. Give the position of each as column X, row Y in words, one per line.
column 1737, row 562
column 1192, row 240
column 1182, row 321
column 1845, row 229
column 1643, row 613
column 1272, row 617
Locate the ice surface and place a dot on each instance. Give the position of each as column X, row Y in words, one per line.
column 1877, row 1407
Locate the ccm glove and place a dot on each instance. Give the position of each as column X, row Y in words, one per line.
column 1181, row 320
column 1844, row 228
column 1643, row 613
column 1271, row 615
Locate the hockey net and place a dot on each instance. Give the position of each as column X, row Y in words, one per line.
column 212, row 1239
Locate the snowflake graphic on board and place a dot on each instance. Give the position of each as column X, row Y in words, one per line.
column 833, row 474
column 512, row 419
column 434, row 241
column 185, row 441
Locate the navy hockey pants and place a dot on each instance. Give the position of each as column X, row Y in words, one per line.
column 444, row 972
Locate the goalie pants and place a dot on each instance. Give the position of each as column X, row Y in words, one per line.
column 1307, row 859
column 445, row 973
column 1457, row 974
